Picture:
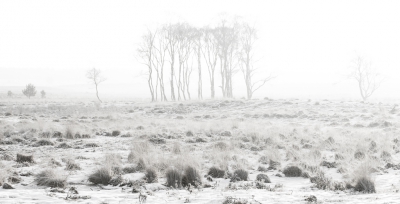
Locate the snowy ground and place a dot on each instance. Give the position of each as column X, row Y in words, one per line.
column 292, row 132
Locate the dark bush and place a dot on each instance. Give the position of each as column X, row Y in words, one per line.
column 116, row 180
column 359, row 155
column 23, row 158
column 101, row 176
column 191, row 177
column 365, row 185
column 174, row 178
column 292, row 171
column 44, row 142
column 151, row 175
column 115, row 133
column 262, row 169
column 92, row 144
column 273, row 164
column 7, row 186
column 216, row 173
column 263, row 177
column 129, row 169
column 64, row 146
column 329, row 164
column 239, row 175
column 140, row 165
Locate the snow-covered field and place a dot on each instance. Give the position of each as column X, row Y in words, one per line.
column 333, row 143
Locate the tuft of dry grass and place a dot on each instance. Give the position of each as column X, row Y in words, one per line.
column 101, row 176
column 174, row 178
column 25, row 158
column 51, row 178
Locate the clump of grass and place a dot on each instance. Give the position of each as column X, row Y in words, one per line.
column 92, row 144
column 321, row 181
column 64, row 145
column 115, row 133
column 71, row 165
column 69, row 132
column 386, row 156
column 263, row 160
column 151, row 175
column 51, row 178
column 216, row 172
column 129, row 169
column 292, row 171
column 139, row 150
column 101, row 176
column 176, row 148
column 222, row 146
column 174, row 178
column 263, row 177
column 191, row 177
column 262, row 169
column 25, row 158
column 239, row 175
column 140, row 165
column 44, row 142
column 359, row 155
column 364, row 184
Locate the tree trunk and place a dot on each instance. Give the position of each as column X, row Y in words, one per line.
column 97, row 94
column 200, row 84
column 172, row 78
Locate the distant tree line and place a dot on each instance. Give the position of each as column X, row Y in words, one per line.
column 181, row 48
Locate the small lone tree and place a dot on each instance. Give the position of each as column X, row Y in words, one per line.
column 95, row 75
column 30, row 90
column 43, row 93
column 366, row 77
column 10, row 94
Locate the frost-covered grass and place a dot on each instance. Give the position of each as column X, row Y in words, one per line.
column 345, row 151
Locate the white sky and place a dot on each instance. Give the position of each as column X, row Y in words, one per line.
column 309, row 45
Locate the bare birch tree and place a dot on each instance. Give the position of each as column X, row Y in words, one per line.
column 145, row 52
column 171, row 40
column 210, row 53
column 160, row 49
column 367, row 79
column 197, row 48
column 95, row 76
column 227, row 38
column 248, row 37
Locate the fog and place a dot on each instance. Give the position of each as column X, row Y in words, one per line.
column 308, row 45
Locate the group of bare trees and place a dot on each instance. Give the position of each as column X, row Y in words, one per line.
column 180, row 49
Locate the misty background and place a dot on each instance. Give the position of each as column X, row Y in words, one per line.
column 308, row 45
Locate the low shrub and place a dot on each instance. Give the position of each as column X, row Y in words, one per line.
column 151, row 175
column 115, row 133
column 25, row 158
column 129, row 169
column 239, row 175
column 216, row 172
column 101, row 176
column 321, row 181
column 263, row 177
column 292, row 171
column 44, row 142
column 365, row 185
column 191, row 177
column 92, row 144
column 64, row 145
